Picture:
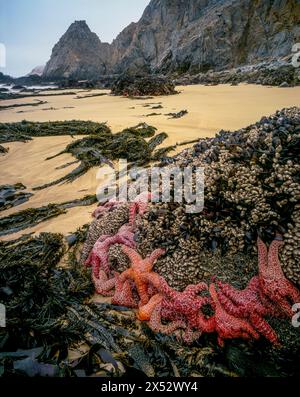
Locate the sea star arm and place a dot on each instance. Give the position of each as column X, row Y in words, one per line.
column 156, row 325
column 127, row 274
column 274, row 283
column 264, row 328
column 132, row 213
column 228, row 326
column 196, row 289
column 145, row 312
column 291, row 291
column 154, row 279
column 103, row 285
column 103, row 238
column 123, row 294
column 132, row 255
column 189, row 336
column 155, row 255
column 262, row 255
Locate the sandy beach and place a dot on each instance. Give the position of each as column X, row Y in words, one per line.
column 210, row 109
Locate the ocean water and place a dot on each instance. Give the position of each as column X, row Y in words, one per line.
column 29, row 87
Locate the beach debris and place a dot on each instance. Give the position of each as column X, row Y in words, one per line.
column 141, row 86
column 13, row 195
column 177, row 115
column 152, row 114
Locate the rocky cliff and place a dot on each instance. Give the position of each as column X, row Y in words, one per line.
column 184, row 36
column 79, row 54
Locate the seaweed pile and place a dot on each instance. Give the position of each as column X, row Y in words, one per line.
column 32, row 216
column 36, row 294
column 31, row 94
column 13, row 195
column 177, row 115
column 137, row 86
column 25, row 130
column 18, row 105
column 105, row 147
column 252, row 188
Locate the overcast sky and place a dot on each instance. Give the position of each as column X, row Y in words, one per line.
column 30, row 28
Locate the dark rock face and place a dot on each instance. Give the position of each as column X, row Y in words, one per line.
column 79, row 54
column 272, row 74
column 198, row 35
column 183, row 36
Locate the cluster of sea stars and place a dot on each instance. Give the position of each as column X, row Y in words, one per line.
column 105, row 280
column 236, row 313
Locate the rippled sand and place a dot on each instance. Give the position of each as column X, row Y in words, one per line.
column 210, row 110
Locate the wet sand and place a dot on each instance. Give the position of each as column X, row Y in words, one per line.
column 210, row 110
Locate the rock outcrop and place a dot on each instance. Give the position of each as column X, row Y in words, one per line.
column 37, row 71
column 183, row 36
column 79, row 54
column 199, row 35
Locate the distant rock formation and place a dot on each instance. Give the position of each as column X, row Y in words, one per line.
column 183, row 36
column 37, row 71
column 79, row 54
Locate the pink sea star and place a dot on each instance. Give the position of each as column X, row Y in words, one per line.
column 183, row 305
column 104, row 285
column 228, row 326
column 139, row 267
column 155, row 322
column 247, row 304
column 124, row 294
column 273, row 282
column 139, row 206
column 99, row 255
column 109, row 206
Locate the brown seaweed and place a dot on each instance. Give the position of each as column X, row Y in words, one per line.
column 32, row 216
column 13, row 195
